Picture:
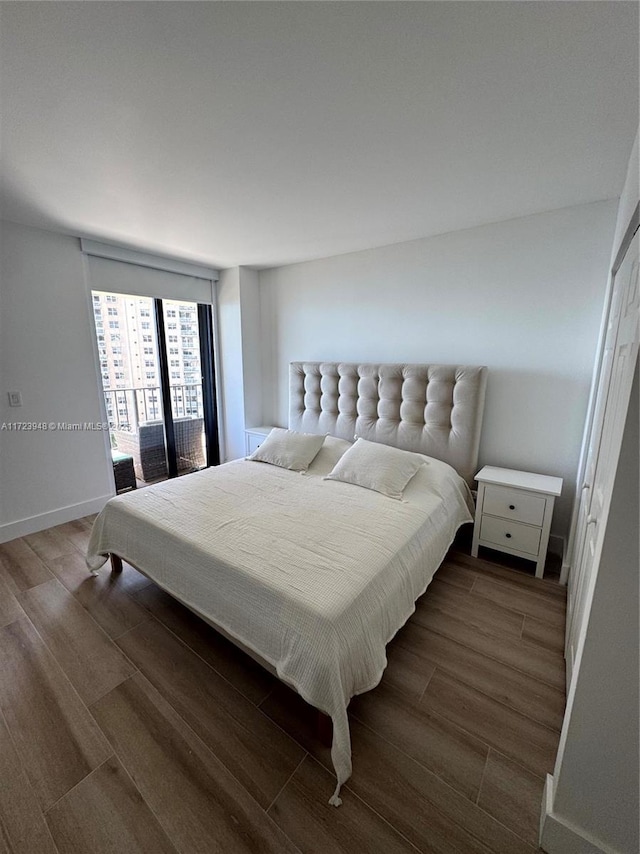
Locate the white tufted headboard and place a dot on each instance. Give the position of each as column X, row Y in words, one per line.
column 432, row 409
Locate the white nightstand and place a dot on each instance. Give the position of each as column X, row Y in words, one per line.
column 513, row 513
column 254, row 437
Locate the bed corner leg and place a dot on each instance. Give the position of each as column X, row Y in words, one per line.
column 116, row 563
column 324, row 729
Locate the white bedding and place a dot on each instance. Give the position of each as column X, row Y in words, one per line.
column 315, row 576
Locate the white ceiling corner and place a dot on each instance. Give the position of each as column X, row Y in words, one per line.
column 268, row 133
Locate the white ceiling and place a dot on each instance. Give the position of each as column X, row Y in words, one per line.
column 267, row 133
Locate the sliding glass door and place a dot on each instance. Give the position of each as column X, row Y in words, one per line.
column 156, row 362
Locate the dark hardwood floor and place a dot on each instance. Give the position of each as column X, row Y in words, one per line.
column 128, row 725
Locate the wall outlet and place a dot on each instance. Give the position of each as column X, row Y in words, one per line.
column 15, row 398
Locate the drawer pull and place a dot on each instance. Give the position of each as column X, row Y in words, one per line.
column 508, row 536
column 512, row 507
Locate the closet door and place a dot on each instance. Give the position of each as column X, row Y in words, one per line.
column 578, row 571
column 616, row 376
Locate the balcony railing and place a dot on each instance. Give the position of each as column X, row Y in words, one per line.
column 129, row 407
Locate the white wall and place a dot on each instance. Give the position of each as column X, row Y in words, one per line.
column 240, row 356
column 231, row 373
column 251, row 346
column 523, row 297
column 46, row 352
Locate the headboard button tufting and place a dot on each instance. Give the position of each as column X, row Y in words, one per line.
column 408, row 405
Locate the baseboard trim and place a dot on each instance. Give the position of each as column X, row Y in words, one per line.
column 559, row 836
column 33, row 524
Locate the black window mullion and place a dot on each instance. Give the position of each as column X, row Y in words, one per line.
column 165, row 392
column 205, row 329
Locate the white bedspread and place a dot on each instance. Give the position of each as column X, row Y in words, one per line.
column 315, row 576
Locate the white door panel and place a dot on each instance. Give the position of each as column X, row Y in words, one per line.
column 612, row 398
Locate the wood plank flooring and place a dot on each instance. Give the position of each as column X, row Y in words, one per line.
column 127, row 724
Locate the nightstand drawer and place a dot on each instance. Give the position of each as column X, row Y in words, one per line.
column 254, row 437
column 253, row 442
column 513, row 504
column 502, row 532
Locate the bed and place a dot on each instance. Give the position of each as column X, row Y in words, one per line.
column 309, row 575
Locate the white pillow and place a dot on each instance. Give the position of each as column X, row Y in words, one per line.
column 288, row 449
column 380, row 467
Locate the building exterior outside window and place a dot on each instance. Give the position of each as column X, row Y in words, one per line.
column 129, row 356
